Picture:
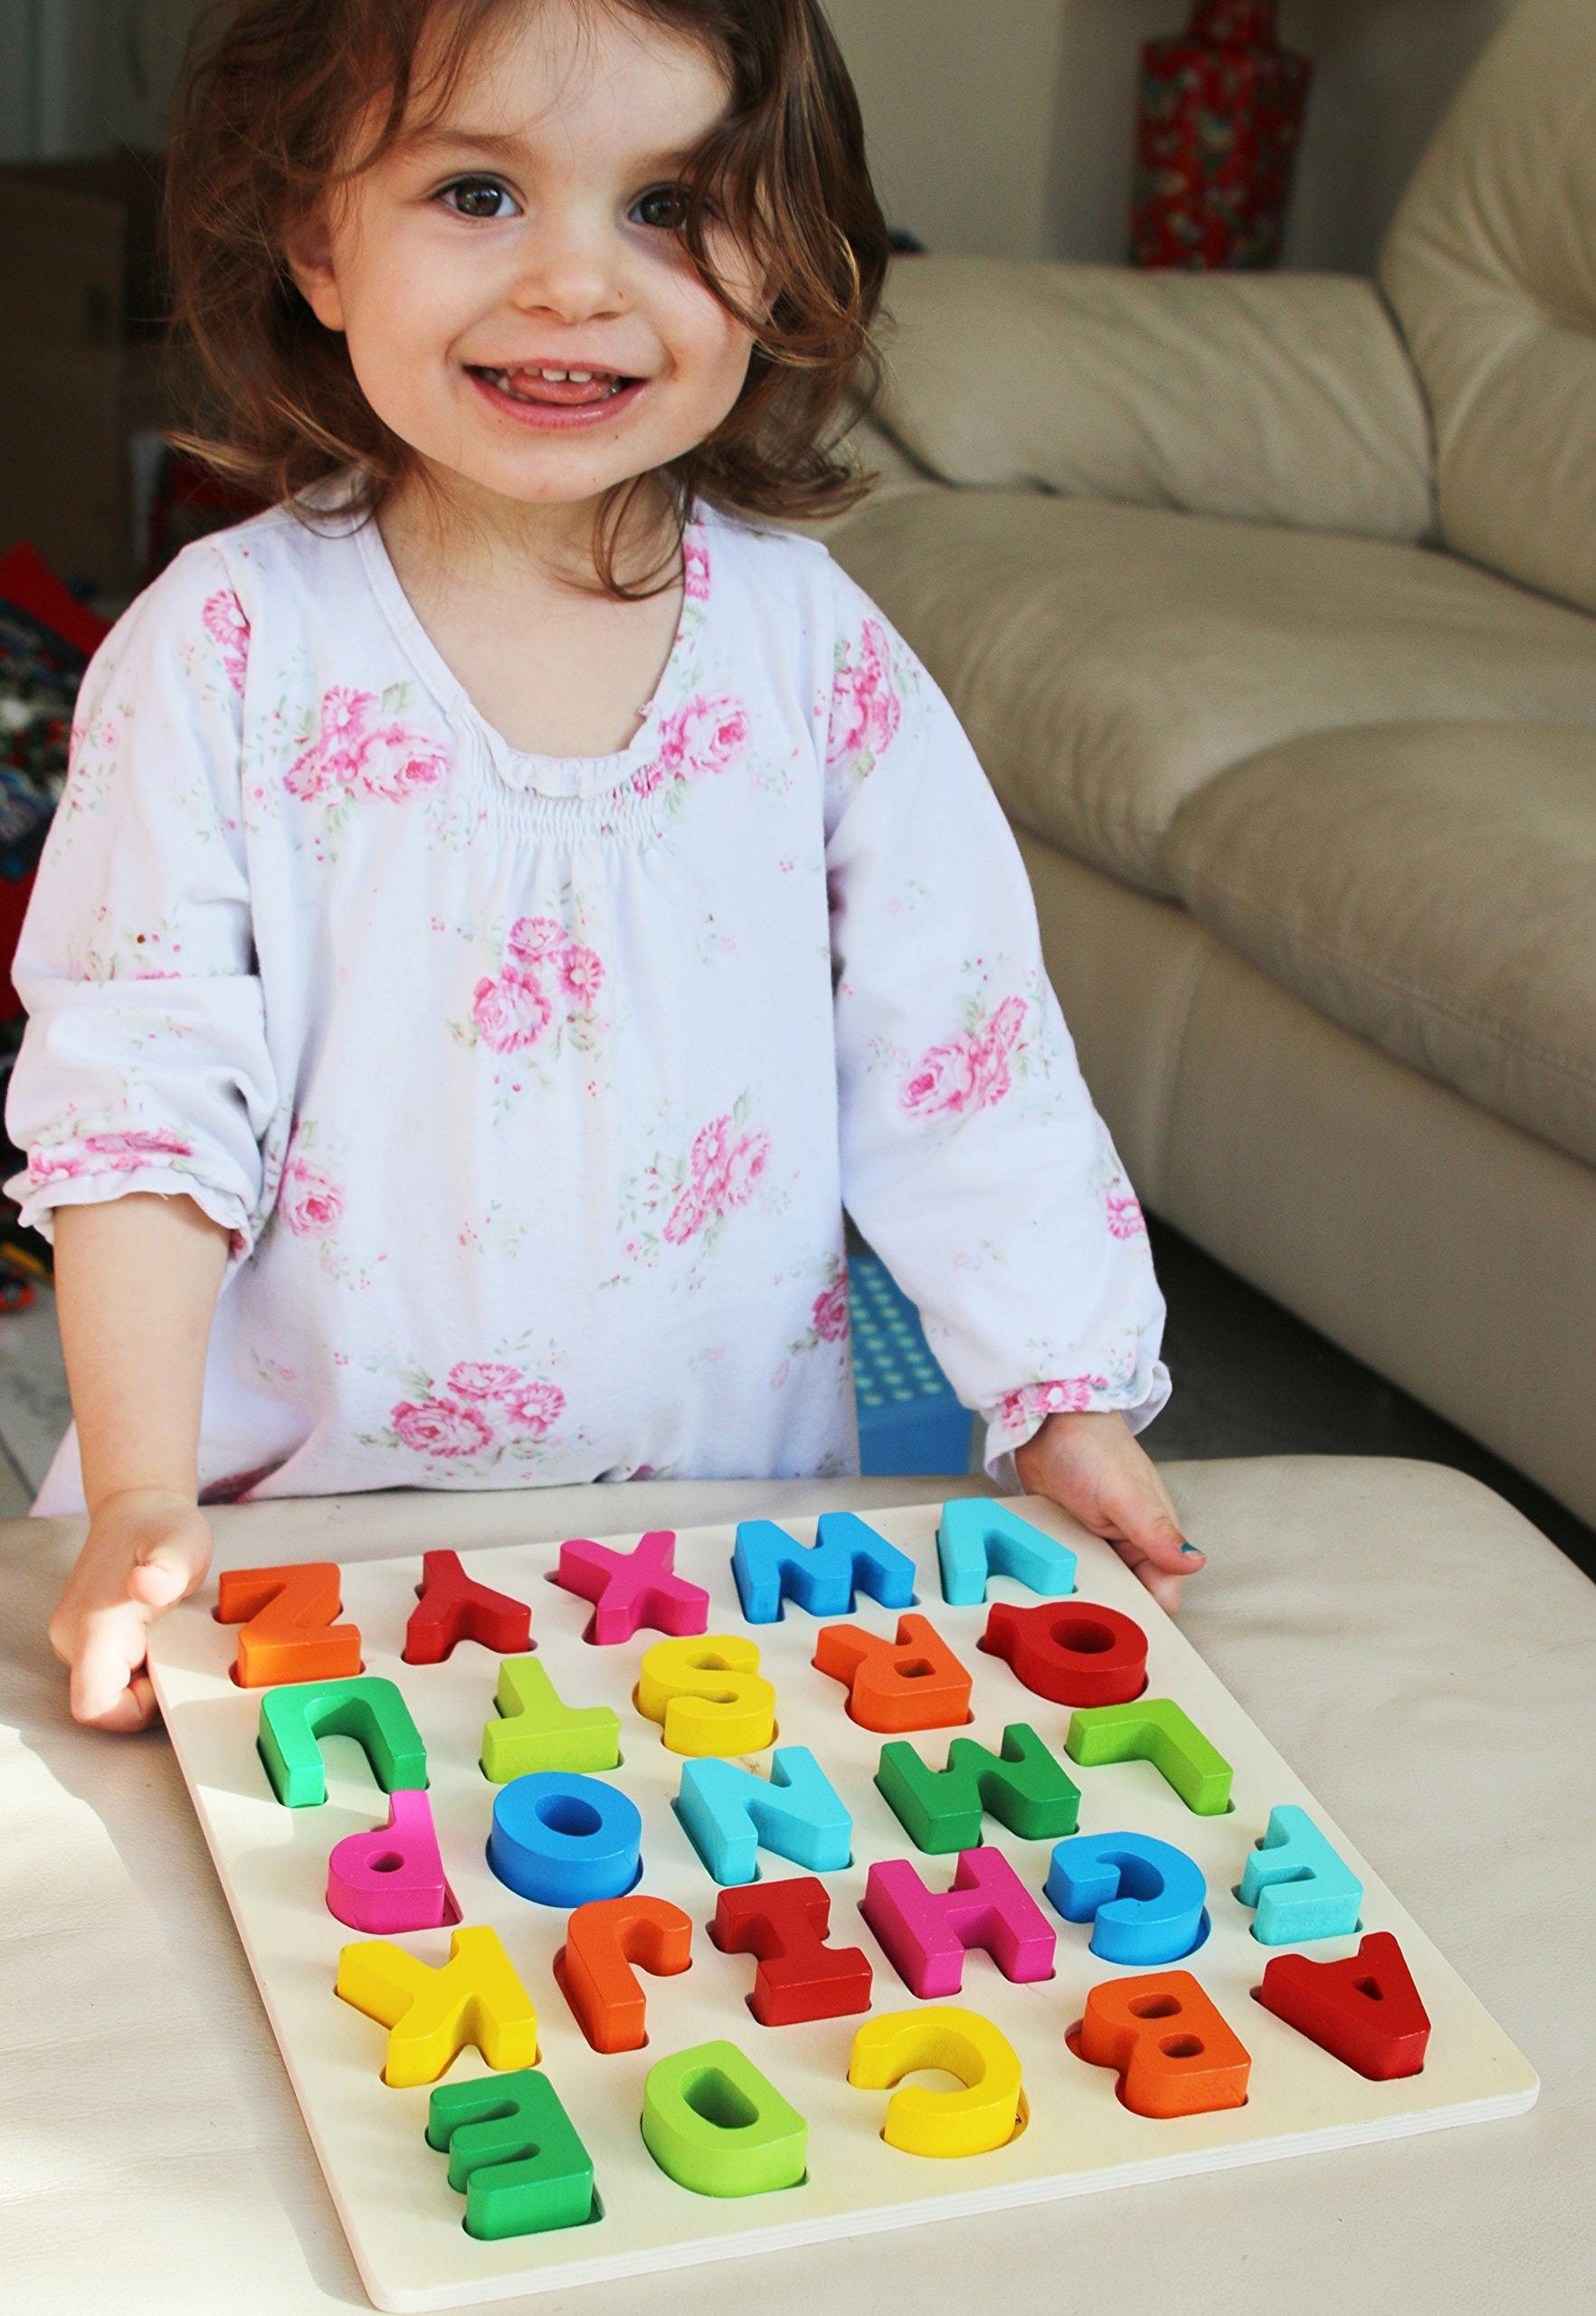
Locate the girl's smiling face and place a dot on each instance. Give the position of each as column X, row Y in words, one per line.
column 536, row 230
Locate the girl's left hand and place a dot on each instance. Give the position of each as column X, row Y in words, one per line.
column 1091, row 1465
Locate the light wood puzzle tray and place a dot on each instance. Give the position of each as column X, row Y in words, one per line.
column 403, row 2221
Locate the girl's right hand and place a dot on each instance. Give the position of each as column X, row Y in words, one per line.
column 147, row 1549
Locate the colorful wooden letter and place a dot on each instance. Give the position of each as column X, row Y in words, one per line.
column 1144, row 1898
column 560, row 1839
column 923, row 2121
column 1298, row 1883
column 927, row 1932
column 533, row 1730
column 712, row 2122
column 1154, row 1729
column 1173, row 2052
column 1364, row 2010
column 432, row 2013
column 392, row 1878
column 799, row 1975
column 706, row 1694
column 728, row 1813
column 369, row 1709
column 977, row 1539
column 770, row 1566
column 452, row 1606
column 1024, row 1788
column 915, row 1682
column 607, row 1942
column 631, row 1589
column 290, row 1635
column 1073, row 1654
column 513, row 2153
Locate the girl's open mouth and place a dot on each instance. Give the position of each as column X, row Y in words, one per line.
column 556, row 397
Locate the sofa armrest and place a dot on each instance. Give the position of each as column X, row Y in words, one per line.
column 1276, row 398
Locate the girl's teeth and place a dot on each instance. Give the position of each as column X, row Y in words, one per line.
column 522, row 383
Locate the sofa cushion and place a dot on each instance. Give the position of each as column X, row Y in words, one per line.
column 1430, row 885
column 1275, row 398
column 1490, row 265
column 1108, row 661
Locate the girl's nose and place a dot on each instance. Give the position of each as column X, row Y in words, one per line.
column 571, row 266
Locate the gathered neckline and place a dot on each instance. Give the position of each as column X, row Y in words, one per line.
column 550, row 775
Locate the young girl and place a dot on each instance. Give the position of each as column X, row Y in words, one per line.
column 508, row 900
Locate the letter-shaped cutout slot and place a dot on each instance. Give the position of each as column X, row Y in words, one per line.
column 1145, row 1899
column 289, row 1634
column 715, row 2124
column 513, row 2154
column 988, row 2112
column 976, row 1539
column 1172, row 2050
column 728, row 1813
column 368, row 1708
column 1070, row 1652
column 632, row 1589
column 847, row 1557
column 706, row 1694
column 1025, row 1787
column 432, row 2015
column 1155, row 1730
column 914, row 1681
column 452, row 1607
column 607, row 1942
column 534, row 1729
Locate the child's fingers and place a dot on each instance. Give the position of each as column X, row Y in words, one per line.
column 159, row 1582
column 1145, row 1516
column 1164, row 1586
column 167, row 1569
column 108, row 1690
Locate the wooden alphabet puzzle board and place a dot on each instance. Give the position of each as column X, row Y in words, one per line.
column 1074, row 2132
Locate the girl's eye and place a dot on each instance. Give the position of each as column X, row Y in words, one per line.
column 472, row 187
column 664, row 206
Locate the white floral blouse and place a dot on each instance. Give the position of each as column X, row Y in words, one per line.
column 532, row 1090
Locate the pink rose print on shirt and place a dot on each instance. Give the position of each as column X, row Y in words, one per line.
column 226, row 622
column 722, row 1173
column 535, row 1406
column 348, row 758
column 532, row 941
column 685, row 1193
column 1066, row 1395
column 706, row 737
column 512, row 1009
column 510, row 1013
column 695, row 562
column 444, row 1427
column 309, row 1201
column 865, row 709
column 486, row 1408
column 968, row 1072
column 119, row 1153
column 1126, row 1219
column 829, row 1317
column 485, row 1378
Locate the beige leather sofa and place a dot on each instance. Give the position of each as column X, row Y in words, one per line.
column 1270, row 605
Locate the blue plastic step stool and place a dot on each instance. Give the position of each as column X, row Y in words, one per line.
column 909, row 1417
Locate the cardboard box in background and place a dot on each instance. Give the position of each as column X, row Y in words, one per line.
column 83, row 370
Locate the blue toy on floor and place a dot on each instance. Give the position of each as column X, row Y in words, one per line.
column 909, row 1417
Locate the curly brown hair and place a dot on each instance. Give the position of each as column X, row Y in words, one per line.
column 270, row 92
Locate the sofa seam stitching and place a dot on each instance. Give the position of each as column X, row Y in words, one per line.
column 1395, row 983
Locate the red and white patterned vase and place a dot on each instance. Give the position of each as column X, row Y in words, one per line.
column 1221, row 110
